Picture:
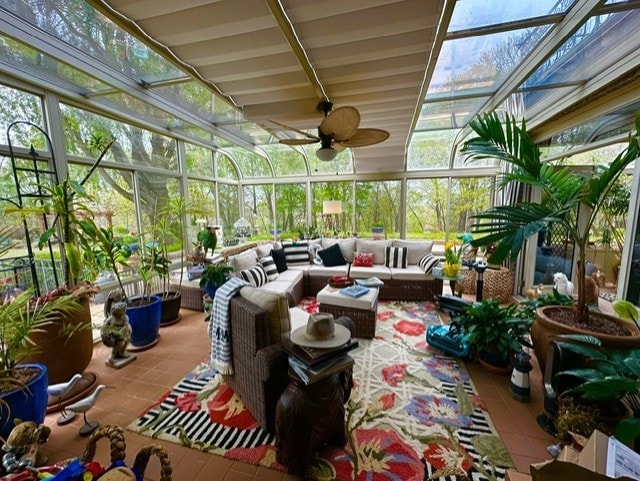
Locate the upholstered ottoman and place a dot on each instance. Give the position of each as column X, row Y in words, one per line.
column 362, row 310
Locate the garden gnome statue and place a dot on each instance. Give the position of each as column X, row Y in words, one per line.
column 116, row 334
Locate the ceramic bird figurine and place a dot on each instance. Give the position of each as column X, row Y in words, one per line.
column 59, row 390
column 83, row 406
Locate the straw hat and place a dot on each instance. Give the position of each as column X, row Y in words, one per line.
column 321, row 331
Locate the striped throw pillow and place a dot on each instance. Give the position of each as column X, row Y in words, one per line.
column 297, row 253
column 428, row 262
column 395, row 257
column 256, row 276
column 269, row 267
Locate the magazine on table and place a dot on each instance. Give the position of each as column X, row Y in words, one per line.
column 354, row 290
column 331, row 366
column 370, row 282
column 315, row 355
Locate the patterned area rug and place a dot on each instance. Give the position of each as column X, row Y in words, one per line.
column 413, row 413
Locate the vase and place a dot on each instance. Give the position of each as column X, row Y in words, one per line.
column 451, row 270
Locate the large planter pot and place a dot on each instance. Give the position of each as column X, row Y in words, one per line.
column 170, row 307
column 65, row 355
column 544, row 329
column 145, row 322
column 211, row 290
column 28, row 403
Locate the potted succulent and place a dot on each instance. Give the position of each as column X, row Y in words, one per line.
column 497, row 332
column 563, row 193
column 213, row 276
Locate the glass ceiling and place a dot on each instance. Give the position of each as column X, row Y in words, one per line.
column 496, row 54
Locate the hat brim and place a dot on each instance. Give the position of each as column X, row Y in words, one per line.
column 340, row 336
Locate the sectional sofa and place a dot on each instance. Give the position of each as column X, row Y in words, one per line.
column 303, row 268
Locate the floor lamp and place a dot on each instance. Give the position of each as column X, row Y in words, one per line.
column 329, row 209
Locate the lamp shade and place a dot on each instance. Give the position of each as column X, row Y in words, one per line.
column 326, row 154
column 331, row 207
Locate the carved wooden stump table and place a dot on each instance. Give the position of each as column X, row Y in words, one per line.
column 309, row 417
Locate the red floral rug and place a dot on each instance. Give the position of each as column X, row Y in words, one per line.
column 413, row 413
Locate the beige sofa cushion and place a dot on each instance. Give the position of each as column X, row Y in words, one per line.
column 277, row 306
column 243, row 261
column 376, row 247
column 347, row 246
column 416, row 250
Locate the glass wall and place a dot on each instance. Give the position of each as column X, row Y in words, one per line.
column 291, row 211
column 335, row 223
column 258, row 210
column 228, row 210
column 427, row 201
column 378, row 207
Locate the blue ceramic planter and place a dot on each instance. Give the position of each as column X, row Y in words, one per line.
column 145, row 322
column 27, row 404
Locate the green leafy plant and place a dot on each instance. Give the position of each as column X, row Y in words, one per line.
column 208, row 239
column 564, row 192
column 495, row 329
column 527, row 309
column 607, row 374
column 215, row 274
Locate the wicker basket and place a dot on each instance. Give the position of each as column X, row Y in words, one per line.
column 498, row 283
column 468, row 283
column 118, row 447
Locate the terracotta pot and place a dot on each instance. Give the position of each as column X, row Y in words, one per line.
column 544, row 329
column 485, row 359
column 65, row 356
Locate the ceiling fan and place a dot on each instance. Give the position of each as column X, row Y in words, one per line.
column 337, row 131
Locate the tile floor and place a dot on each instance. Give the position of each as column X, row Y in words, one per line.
column 183, row 345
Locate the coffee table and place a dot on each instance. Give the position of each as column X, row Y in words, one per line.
column 362, row 310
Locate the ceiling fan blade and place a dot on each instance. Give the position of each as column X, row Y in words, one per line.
column 301, row 132
column 341, row 123
column 363, row 137
column 338, row 147
column 298, row 141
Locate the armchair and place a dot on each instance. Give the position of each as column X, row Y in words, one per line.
column 260, row 365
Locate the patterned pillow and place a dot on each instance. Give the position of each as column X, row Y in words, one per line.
column 256, row 276
column 269, row 267
column 395, row 257
column 363, row 259
column 428, row 262
column 297, row 253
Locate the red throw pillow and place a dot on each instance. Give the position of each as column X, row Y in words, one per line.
column 363, row 259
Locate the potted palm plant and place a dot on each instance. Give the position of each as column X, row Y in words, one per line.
column 23, row 385
column 564, row 193
column 170, row 223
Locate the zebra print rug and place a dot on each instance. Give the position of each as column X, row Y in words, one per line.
column 413, row 413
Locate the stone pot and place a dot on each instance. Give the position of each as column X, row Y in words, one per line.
column 544, row 329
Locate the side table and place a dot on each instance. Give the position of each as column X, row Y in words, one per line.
column 452, row 281
column 309, row 417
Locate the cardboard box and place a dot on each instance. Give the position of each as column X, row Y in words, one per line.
column 590, row 464
column 512, row 475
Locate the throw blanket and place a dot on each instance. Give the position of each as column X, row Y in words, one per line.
column 219, row 328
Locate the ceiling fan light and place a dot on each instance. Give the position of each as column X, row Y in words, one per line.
column 326, row 154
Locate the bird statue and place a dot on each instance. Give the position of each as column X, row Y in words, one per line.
column 59, row 390
column 83, row 406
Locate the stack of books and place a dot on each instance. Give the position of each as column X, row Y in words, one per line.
column 312, row 364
